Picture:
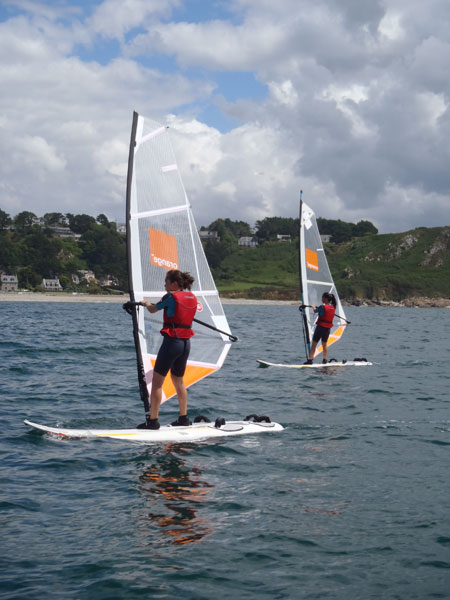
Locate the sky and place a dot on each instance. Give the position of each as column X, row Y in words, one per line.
column 347, row 100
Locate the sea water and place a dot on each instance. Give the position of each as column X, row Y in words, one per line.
column 351, row 500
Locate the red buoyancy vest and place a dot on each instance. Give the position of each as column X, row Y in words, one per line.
column 179, row 326
column 326, row 320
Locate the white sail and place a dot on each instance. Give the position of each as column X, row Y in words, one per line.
column 161, row 235
column 315, row 278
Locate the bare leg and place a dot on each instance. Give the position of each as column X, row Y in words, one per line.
column 156, row 395
column 325, row 350
column 180, row 388
column 313, row 349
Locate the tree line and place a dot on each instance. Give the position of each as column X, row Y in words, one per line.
column 266, row 231
column 268, row 228
column 30, row 249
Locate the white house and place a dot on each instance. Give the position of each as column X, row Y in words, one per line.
column 51, row 285
column 64, row 232
column 87, row 276
column 209, row 235
column 247, row 241
column 9, row 283
column 109, row 281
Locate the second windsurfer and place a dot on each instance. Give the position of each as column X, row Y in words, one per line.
column 326, row 312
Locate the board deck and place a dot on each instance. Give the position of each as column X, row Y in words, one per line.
column 330, row 365
column 166, row 433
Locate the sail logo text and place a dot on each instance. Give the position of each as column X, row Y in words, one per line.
column 312, row 259
column 161, row 262
column 163, row 249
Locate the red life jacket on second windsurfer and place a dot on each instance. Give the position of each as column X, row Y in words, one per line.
column 326, row 317
column 180, row 325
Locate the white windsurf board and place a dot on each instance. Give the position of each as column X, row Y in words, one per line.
column 166, row 433
column 329, row 365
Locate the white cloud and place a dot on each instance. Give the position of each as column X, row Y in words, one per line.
column 114, row 18
column 390, row 26
column 347, row 100
column 356, row 110
column 213, row 45
column 434, row 106
column 284, row 92
column 37, row 152
column 237, row 171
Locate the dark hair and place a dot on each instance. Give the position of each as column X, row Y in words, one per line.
column 184, row 280
column 329, row 297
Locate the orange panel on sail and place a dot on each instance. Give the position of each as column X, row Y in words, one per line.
column 312, row 259
column 193, row 373
column 334, row 337
column 163, row 249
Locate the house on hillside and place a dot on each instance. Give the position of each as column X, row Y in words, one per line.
column 9, row 283
column 206, row 235
column 109, row 281
column 88, row 276
column 64, row 232
column 325, row 238
column 52, row 285
column 247, row 241
column 283, row 237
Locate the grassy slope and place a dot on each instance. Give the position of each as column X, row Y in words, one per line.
column 375, row 267
column 258, row 271
column 384, row 267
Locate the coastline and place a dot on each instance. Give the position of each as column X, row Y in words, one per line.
column 109, row 299
column 120, row 299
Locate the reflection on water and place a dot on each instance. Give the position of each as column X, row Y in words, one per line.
column 175, row 492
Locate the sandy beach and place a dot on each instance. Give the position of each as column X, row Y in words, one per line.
column 120, row 299
column 61, row 297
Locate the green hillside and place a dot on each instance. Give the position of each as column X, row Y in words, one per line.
column 364, row 264
column 264, row 271
column 372, row 267
column 394, row 266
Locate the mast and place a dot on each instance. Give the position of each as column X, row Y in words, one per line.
column 133, row 306
column 306, row 336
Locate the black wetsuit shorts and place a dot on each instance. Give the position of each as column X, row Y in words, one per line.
column 321, row 333
column 172, row 356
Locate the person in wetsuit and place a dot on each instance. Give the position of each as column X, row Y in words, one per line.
column 179, row 305
column 326, row 312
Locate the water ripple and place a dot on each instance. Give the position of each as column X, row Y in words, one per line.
column 349, row 501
